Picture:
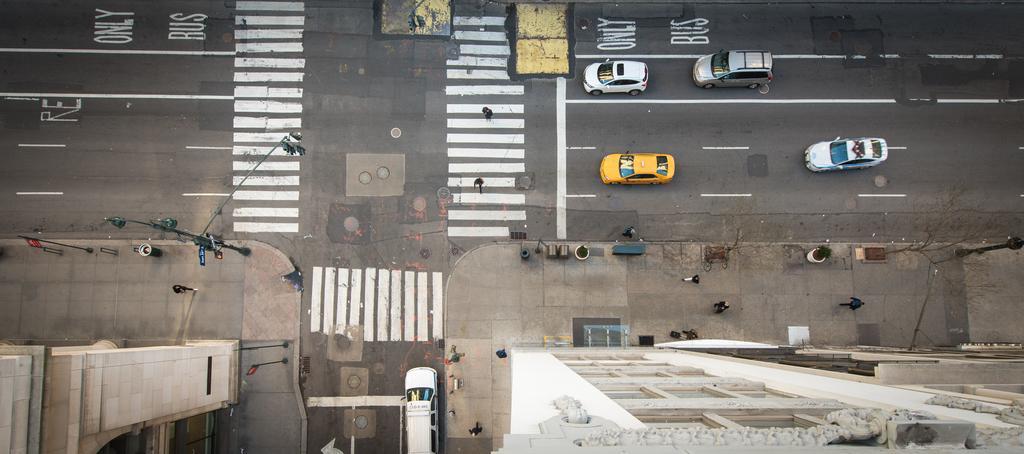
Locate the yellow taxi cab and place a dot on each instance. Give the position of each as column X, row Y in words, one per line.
column 639, row 168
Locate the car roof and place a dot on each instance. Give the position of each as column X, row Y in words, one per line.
column 629, row 69
column 421, row 377
column 750, row 59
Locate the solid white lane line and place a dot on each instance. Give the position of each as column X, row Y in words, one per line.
column 495, row 153
column 725, row 148
column 966, row 56
column 437, row 298
column 267, row 165
column 478, row 108
column 250, row 21
column 793, row 101
column 38, row 193
column 42, row 145
column 486, row 138
column 482, row 123
column 270, row 62
column 265, row 227
column 474, row 90
column 115, row 96
column 478, row 20
column 489, row 167
column 488, row 198
column 370, row 286
column 484, row 49
column 560, row 186
column 580, row 196
column 478, row 231
column 204, row 53
column 266, row 195
column 881, row 195
column 469, row 35
column 341, row 312
column 486, row 215
column 383, row 304
column 267, row 47
column 199, row 147
column 421, row 306
column 329, row 299
column 581, row 148
column 490, row 182
column 247, row 91
column 267, row 123
column 205, row 194
column 795, row 56
column 292, row 33
column 267, row 77
column 268, row 106
column 356, row 293
column 897, row 148
column 265, row 180
column 725, row 195
column 269, row 6
column 409, row 285
column 489, row 74
column 265, row 212
column 316, row 302
column 268, row 137
column 396, row 305
column 468, row 60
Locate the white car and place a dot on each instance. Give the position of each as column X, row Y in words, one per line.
column 846, row 154
column 421, row 410
column 615, row 77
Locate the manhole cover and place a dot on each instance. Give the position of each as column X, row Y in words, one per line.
column 444, row 194
column 425, row 253
column 419, row 203
column 351, row 224
column 365, row 177
column 354, row 381
column 361, row 422
column 396, row 132
column 383, row 173
column 881, row 181
column 764, row 89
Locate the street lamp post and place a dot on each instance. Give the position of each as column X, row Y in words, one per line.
column 1013, row 244
column 169, row 225
column 254, row 367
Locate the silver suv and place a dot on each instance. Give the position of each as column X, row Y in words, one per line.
column 734, row 68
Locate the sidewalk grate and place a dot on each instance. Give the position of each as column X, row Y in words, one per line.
column 517, row 235
column 304, row 364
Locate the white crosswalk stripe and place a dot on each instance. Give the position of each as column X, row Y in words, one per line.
column 477, row 20
column 471, row 60
column 493, row 153
column 470, row 35
column 388, row 305
column 480, row 123
column 477, row 74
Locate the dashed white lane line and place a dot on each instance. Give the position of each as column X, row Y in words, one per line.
column 477, row 74
column 260, row 180
column 266, row 166
column 486, row 138
column 492, row 153
column 725, row 148
column 266, row 123
column 269, row 6
column 881, row 195
column 897, row 148
column 486, row 215
column 205, row 194
column 38, row 193
column 479, row 20
column 268, row 47
column 490, row 182
column 468, row 60
column 473, row 90
column 266, row 227
column 247, row 91
column 114, row 96
column 725, row 195
column 488, row 167
column 582, row 148
column 249, row 21
column 796, row 101
column 270, row 62
column 489, row 198
column 203, row 53
column 478, row 231
column 254, row 212
column 481, row 123
column 266, row 195
column 560, row 141
column 42, row 145
column 478, row 108
column 293, row 33
column 268, row 77
column 203, row 147
column 469, row 35
column 580, row 196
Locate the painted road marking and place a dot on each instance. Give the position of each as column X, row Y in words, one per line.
column 329, row 299
column 266, row 195
column 267, row 77
column 799, row 56
column 488, row 198
column 270, row 62
column 469, row 35
column 205, row 194
column 409, row 285
column 38, row 193
column 725, row 148
column 253, row 212
column 42, row 145
column 396, row 305
column 267, row 123
column 897, row 148
column 268, row 106
column 486, row 215
column 421, row 306
column 497, row 167
column 580, row 196
column 270, row 137
column 383, row 303
column 202, row 147
column 725, row 195
column 202, row 53
column 795, row 101
column 581, row 148
column 503, row 123
column 342, row 310
column 478, row 108
column 560, row 190
column 263, row 180
column 471, row 90
column 269, row 6
column 268, row 165
column 249, row 21
column 368, row 305
column 357, row 297
column 486, row 138
column 881, row 195
column 491, row 74
column 437, row 314
column 314, row 310
column 477, row 20
column 265, row 227
column 496, row 153
column 490, row 182
column 254, row 48
column 294, row 33
column 478, row 231
column 256, row 150
column 245, row 91
column 468, row 60
column 115, row 96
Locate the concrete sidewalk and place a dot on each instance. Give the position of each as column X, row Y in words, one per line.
column 495, row 300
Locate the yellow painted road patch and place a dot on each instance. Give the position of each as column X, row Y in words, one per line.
column 541, row 21
column 542, row 56
column 436, row 14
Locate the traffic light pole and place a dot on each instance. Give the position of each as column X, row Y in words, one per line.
column 168, row 225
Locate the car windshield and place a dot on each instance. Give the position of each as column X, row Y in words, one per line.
column 416, row 394
column 626, row 166
column 720, row 63
column 605, row 72
column 876, row 149
column 662, row 168
column 839, row 152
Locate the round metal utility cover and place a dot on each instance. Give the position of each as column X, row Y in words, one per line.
column 383, row 173
column 351, row 224
column 419, row 203
column 881, row 181
column 365, row 177
column 354, row 381
column 361, row 422
column 396, row 132
column 763, row 89
column 425, row 253
column 444, row 194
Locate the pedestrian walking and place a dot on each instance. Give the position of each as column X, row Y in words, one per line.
column 476, row 429
column 479, row 183
column 451, row 412
column 178, row 288
column 488, row 113
column 629, row 232
column 721, row 306
column 855, row 303
column 695, row 279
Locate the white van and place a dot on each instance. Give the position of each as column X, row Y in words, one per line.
column 421, row 410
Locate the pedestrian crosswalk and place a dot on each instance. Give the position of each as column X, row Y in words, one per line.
column 478, row 147
column 389, row 305
column 269, row 69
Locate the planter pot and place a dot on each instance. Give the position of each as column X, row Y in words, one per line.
column 811, row 258
column 582, row 252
